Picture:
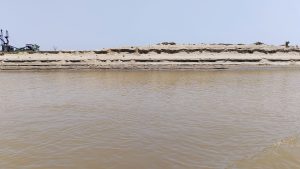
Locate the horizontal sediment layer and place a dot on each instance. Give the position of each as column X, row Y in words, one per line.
column 203, row 56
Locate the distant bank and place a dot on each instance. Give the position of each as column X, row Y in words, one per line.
column 157, row 57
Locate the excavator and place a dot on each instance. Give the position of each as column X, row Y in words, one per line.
column 6, row 47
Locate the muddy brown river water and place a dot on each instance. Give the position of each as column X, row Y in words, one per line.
column 245, row 119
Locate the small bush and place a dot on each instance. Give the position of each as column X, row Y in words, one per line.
column 287, row 43
column 225, row 44
column 259, row 43
column 167, row 43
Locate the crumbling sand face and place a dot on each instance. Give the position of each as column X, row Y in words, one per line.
column 221, row 56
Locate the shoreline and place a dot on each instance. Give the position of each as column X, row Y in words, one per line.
column 157, row 57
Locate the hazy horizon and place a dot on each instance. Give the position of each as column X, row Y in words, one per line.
column 92, row 24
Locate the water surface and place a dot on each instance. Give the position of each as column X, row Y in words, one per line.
column 125, row 120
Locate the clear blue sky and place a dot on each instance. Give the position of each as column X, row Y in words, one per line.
column 96, row 24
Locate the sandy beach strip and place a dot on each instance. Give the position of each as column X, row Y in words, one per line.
column 157, row 57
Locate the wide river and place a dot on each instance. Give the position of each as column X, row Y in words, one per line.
column 243, row 119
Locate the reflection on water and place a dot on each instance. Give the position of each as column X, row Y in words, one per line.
column 125, row 120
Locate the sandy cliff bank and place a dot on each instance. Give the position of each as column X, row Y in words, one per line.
column 202, row 56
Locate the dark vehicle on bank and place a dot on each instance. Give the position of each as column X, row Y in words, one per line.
column 6, row 47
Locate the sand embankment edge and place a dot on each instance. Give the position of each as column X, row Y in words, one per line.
column 157, row 57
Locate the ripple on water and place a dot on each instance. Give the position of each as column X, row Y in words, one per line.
column 282, row 155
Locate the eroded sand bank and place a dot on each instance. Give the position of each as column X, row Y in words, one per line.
column 202, row 56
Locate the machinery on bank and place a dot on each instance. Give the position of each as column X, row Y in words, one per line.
column 6, row 47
